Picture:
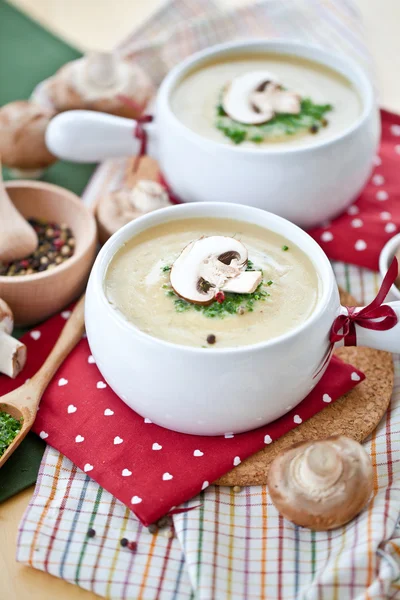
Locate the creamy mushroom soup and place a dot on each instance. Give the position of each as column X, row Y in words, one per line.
column 172, row 281
column 256, row 100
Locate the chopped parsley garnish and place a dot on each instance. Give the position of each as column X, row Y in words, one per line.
column 250, row 266
column 310, row 116
column 9, row 428
column 230, row 306
column 285, row 248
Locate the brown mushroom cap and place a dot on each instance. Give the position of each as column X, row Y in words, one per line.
column 322, row 484
column 22, row 130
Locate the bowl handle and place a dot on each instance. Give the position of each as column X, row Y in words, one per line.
column 388, row 340
column 86, row 136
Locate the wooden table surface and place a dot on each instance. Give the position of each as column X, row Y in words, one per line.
column 101, row 24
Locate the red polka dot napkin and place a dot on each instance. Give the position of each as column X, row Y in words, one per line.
column 148, row 468
column 358, row 235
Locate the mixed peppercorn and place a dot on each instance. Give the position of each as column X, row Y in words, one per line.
column 56, row 245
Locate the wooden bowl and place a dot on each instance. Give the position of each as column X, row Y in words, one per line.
column 35, row 297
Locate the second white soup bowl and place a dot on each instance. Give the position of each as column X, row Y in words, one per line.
column 216, row 391
column 306, row 184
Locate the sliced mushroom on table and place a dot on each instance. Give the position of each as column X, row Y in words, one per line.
column 117, row 208
column 12, row 351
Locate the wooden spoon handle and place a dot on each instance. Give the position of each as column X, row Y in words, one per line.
column 69, row 337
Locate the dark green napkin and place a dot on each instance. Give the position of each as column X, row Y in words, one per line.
column 21, row 469
column 29, row 54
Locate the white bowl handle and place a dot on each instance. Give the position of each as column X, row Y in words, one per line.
column 388, row 340
column 86, row 136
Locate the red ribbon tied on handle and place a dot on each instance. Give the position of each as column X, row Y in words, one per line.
column 139, row 132
column 344, row 326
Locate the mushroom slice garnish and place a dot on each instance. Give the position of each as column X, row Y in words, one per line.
column 206, row 265
column 271, row 96
column 236, row 100
column 255, row 97
column 245, row 283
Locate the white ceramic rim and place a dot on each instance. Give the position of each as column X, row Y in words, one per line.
column 212, row 210
column 91, row 233
column 337, row 62
column 386, row 256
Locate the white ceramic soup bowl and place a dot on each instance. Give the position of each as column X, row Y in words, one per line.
column 211, row 391
column 306, row 185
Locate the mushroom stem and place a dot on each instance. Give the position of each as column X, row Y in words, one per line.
column 101, row 68
column 320, row 467
column 12, row 355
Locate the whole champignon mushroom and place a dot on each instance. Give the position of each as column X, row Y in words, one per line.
column 95, row 82
column 255, row 97
column 12, row 351
column 322, row 484
column 22, row 142
column 210, row 264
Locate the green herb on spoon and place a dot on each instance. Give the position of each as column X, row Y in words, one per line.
column 9, row 429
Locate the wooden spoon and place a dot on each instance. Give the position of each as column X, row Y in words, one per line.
column 17, row 238
column 24, row 401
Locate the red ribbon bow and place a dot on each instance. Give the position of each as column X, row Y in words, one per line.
column 139, row 132
column 344, row 326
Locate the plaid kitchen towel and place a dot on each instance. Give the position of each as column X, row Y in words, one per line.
column 236, row 546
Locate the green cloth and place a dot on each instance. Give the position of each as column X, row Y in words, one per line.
column 21, row 469
column 29, row 54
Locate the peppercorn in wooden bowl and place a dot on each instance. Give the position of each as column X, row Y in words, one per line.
column 44, row 284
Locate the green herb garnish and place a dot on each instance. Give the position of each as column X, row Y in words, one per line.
column 230, row 306
column 250, row 266
column 9, row 428
column 285, row 248
column 310, row 116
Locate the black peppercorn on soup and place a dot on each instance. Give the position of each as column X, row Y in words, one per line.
column 212, row 283
column 262, row 99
